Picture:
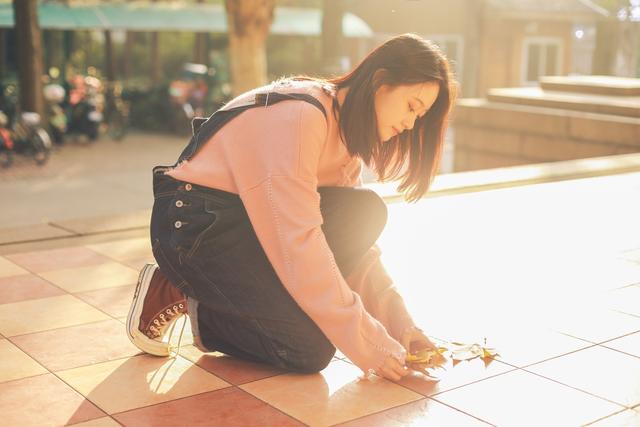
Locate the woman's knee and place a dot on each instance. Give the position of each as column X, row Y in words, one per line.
column 313, row 358
column 375, row 208
column 357, row 204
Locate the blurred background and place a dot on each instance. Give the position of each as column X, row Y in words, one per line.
column 115, row 84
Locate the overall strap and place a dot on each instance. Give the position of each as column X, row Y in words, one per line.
column 204, row 129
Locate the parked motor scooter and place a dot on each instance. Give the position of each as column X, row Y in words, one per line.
column 26, row 136
column 54, row 96
column 84, row 116
column 6, row 142
column 20, row 132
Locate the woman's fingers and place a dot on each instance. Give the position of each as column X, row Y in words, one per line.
column 406, row 342
column 393, row 370
column 401, row 370
column 415, row 340
column 389, row 374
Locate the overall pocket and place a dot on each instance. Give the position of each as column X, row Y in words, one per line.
column 189, row 222
column 231, row 236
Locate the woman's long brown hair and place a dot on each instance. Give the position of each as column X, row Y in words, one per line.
column 402, row 60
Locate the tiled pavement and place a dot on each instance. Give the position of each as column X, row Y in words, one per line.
column 549, row 274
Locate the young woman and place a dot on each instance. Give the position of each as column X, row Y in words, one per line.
column 262, row 234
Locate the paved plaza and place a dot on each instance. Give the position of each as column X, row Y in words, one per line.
column 549, row 274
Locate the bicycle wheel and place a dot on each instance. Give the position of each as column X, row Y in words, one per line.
column 41, row 145
column 6, row 158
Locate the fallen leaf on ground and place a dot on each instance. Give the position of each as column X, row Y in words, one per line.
column 458, row 352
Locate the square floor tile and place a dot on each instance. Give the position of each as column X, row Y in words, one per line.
column 82, row 279
column 8, row 268
column 92, row 343
column 43, row 314
column 15, row 364
column 57, row 259
column 113, row 301
column 43, row 401
column 424, row 412
column 628, row 418
column 597, row 370
column 520, row 398
column 138, row 263
column 626, row 300
column 629, row 344
column 611, row 273
column 230, row 369
column 227, row 407
column 523, row 346
column 335, row 395
column 454, row 376
column 34, row 232
column 596, row 325
column 99, row 422
column 146, row 379
column 24, row 287
column 123, row 250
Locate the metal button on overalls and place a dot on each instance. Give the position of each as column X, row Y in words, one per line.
column 177, row 224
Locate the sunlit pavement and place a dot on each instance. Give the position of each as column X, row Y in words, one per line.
column 85, row 179
column 548, row 274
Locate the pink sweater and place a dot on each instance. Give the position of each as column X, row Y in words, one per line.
column 274, row 158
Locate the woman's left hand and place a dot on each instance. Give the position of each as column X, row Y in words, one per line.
column 414, row 339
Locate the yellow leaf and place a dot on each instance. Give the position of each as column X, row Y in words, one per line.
column 427, row 358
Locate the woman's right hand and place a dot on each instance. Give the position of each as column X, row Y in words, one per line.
column 392, row 369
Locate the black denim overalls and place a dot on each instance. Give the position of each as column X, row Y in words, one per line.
column 203, row 241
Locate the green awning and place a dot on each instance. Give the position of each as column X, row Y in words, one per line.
column 140, row 16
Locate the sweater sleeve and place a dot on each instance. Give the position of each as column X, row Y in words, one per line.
column 380, row 298
column 284, row 209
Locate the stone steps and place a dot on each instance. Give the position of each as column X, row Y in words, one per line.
column 598, row 85
column 628, row 106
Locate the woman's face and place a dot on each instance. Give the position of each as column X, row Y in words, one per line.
column 397, row 107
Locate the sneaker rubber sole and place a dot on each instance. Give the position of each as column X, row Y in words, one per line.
column 139, row 339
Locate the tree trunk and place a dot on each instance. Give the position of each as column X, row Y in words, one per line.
column 200, row 50
column 200, row 46
column 3, row 54
column 48, row 42
column 332, row 37
column 126, row 54
column 155, row 59
column 29, row 55
column 68, row 40
column 248, row 22
column 109, row 65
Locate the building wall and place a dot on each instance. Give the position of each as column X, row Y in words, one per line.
column 492, row 135
column 502, row 50
column 492, row 41
column 431, row 19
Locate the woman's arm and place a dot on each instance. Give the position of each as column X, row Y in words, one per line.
column 284, row 209
column 380, row 298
